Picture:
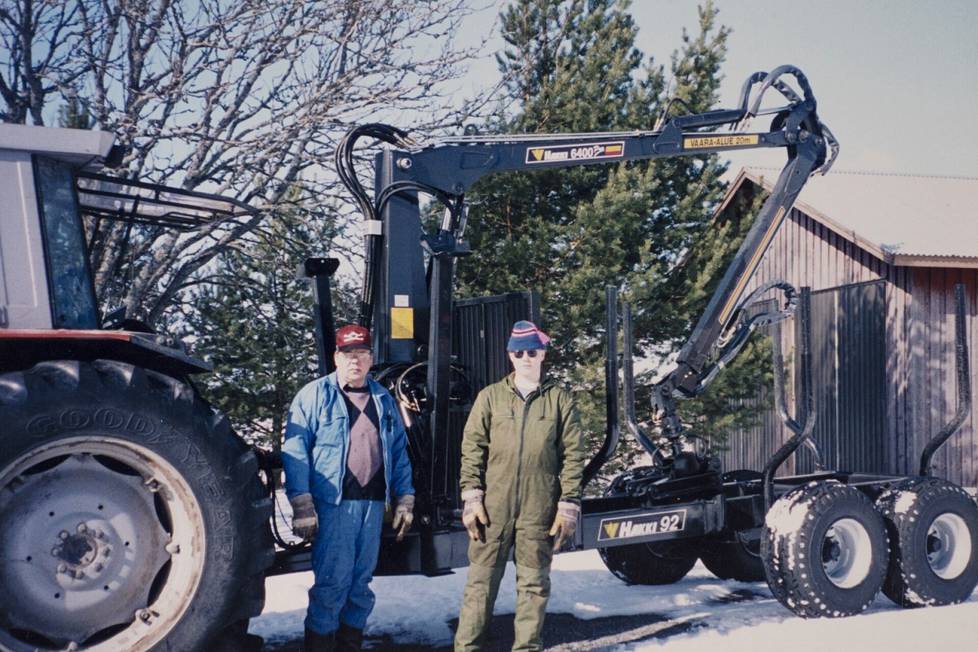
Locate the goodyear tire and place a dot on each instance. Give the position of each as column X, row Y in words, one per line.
column 134, row 516
column 736, row 556
column 825, row 550
column 664, row 562
column 933, row 528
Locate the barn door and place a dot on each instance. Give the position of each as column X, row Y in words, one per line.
column 848, row 360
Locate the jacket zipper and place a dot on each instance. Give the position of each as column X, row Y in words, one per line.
column 345, row 449
column 519, row 450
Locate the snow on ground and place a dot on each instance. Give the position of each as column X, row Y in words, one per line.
column 717, row 614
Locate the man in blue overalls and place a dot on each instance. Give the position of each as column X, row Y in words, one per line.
column 345, row 458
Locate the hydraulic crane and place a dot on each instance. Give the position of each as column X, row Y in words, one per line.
column 653, row 522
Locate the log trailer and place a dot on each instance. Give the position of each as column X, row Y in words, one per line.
column 132, row 517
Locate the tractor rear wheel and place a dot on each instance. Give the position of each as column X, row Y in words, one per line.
column 131, row 515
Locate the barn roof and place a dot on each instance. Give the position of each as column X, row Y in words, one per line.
column 911, row 220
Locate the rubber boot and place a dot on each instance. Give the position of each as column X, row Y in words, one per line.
column 348, row 639
column 316, row 642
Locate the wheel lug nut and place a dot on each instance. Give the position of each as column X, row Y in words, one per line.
column 55, row 551
column 106, row 551
column 82, row 528
column 63, row 534
column 62, row 568
column 142, row 614
column 153, row 484
column 173, row 548
column 98, row 568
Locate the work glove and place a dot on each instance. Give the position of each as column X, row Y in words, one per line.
column 305, row 523
column 403, row 515
column 474, row 514
column 565, row 523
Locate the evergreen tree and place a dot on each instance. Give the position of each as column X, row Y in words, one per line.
column 572, row 66
column 252, row 319
column 72, row 114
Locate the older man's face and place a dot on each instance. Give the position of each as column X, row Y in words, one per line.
column 352, row 366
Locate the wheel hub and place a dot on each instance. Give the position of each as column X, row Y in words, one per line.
column 88, row 541
column 948, row 546
column 77, row 550
column 846, row 553
column 831, row 551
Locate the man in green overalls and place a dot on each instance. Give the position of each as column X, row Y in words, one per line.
column 522, row 464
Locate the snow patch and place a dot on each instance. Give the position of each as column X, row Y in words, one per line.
column 916, row 599
column 783, row 521
column 418, row 611
column 904, row 502
column 786, row 516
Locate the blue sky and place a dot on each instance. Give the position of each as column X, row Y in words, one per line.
column 896, row 80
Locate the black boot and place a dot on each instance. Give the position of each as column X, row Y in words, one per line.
column 348, row 639
column 316, row 642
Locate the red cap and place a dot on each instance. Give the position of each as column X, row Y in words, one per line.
column 352, row 337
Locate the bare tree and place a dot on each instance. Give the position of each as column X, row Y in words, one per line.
column 241, row 97
column 36, row 38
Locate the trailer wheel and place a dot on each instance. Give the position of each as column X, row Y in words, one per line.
column 664, row 562
column 933, row 527
column 825, row 550
column 131, row 516
column 734, row 557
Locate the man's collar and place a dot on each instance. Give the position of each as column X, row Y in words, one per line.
column 333, row 379
column 545, row 380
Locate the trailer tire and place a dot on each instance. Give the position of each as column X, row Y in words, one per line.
column 736, row 556
column 840, row 525
column 130, row 492
column 933, row 529
column 664, row 562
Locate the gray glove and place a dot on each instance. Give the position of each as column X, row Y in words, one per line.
column 565, row 523
column 474, row 515
column 403, row 515
column 305, row 523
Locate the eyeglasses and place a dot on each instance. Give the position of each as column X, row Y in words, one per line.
column 530, row 354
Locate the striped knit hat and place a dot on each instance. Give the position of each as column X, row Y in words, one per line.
column 527, row 337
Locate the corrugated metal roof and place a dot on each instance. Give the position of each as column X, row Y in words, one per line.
column 906, row 219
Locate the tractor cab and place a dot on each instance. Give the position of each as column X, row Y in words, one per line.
column 51, row 182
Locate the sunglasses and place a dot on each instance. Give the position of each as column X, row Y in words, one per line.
column 530, row 354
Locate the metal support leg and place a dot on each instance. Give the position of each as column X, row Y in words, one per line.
column 439, row 368
column 612, row 430
column 806, row 393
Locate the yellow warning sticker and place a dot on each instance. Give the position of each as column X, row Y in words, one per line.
column 402, row 323
column 705, row 142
